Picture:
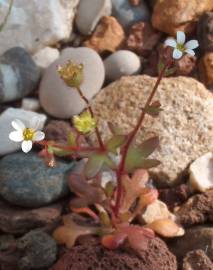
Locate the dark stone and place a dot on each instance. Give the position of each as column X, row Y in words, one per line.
column 197, row 210
column 24, row 70
column 92, row 256
column 205, row 32
column 38, row 250
column 17, row 220
column 174, row 196
column 197, row 260
column 26, row 181
column 200, row 237
column 142, row 38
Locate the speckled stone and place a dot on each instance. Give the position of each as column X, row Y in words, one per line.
column 19, row 75
column 26, row 181
column 38, row 250
column 185, row 126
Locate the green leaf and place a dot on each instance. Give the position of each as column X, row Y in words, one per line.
column 114, row 129
column 58, row 151
column 115, row 142
column 71, row 139
column 149, row 163
column 149, row 146
column 94, row 165
column 153, row 109
column 170, row 71
column 136, row 157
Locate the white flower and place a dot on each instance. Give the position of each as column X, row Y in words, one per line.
column 180, row 47
column 26, row 135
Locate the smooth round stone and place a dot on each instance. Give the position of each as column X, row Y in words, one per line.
column 128, row 14
column 26, row 181
column 90, row 12
column 62, row 101
column 19, row 74
column 38, row 250
column 121, row 63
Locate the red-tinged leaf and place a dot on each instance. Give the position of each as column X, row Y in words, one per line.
column 115, row 142
column 88, row 194
column 113, row 241
column 60, row 152
column 133, row 188
column 87, row 211
column 147, row 196
column 149, row 146
column 105, row 219
column 138, row 237
column 69, row 233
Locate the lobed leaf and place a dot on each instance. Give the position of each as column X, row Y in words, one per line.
column 154, row 109
column 115, row 142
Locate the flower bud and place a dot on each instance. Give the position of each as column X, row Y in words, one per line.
column 71, row 74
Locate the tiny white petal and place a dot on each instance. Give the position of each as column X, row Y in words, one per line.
column 177, row 54
column 38, row 136
column 16, row 136
column 192, row 44
column 181, row 37
column 18, row 125
column 191, row 52
column 35, row 123
column 26, row 146
column 171, row 42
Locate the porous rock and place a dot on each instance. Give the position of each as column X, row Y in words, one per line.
column 107, row 37
column 197, row 260
column 197, row 210
column 94, row 256
column 171, row 16
column 184, row 133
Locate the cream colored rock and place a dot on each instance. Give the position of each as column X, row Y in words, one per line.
column 45, row 57
column 173, row 15
column 156, row 210
column 201, row 173
column 35, row 24
column 185, row 126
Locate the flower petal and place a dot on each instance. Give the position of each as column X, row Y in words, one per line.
column 177, row 54
column 18, row 125
column 26, row 146
column 192, row 44
column 190, row 52
column 35, row 123
column 16, row 136
column 38, row 136
column 171, row 42
column 181, row 37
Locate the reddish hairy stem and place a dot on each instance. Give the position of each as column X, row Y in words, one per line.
column 92, row 114
column 121, row 168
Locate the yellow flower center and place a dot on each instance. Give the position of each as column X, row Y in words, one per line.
column 28, row 134
column 84, row 123
column 181, row 47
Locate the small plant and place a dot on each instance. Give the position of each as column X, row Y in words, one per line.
column 112, row 205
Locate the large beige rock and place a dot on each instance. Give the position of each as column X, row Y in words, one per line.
column 185, row 126
column 173, row 15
